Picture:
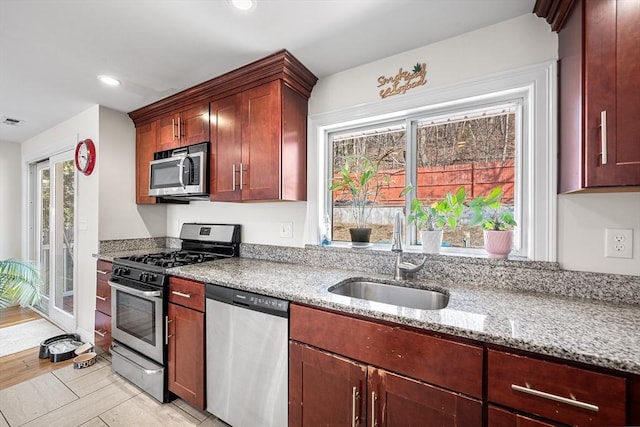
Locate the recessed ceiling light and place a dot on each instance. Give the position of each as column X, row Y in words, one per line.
column 243, row 4
column 108, row 80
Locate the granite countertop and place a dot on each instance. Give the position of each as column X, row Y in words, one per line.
column 594, row 332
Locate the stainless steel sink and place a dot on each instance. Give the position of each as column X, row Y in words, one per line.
column 422, row 299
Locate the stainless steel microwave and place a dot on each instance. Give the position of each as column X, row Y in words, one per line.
column 180, row 173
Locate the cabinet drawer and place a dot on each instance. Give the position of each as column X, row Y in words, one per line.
column 187, row 293
column 555, row 391
column 102, row 331
column 500, row 418
column 103, row 297
column 449, row 364
column 103, row 269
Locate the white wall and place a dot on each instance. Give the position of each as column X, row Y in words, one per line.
column 260, row 221
column 119, row 216
column 511, row 44
column 582, row 219
column 10, row 173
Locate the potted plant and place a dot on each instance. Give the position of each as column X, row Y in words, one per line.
column 19, row 283
column 431, row 219
column 360, row 185
column 496, row 220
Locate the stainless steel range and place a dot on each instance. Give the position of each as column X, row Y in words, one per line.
column 139, row 297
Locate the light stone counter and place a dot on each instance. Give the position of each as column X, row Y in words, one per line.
column 596, row 332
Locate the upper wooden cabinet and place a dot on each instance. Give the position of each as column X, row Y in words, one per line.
column 599, row 91
column 258, row 145
column 257, row 123
column 184, row 128
column 145, row 147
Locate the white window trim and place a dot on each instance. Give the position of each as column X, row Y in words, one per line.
column 536, row 84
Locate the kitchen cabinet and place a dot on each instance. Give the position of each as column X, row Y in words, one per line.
column 186, row 345
column 258, row 145
column 102, row 329
column 559, row 393
column 398, row 379
column 145, row 148
column 266, row 103
column 599, row 95
column 187, row 127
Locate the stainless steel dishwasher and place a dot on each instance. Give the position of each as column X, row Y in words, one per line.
column 247, row 357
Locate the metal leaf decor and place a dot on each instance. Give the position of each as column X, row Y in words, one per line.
column 417, row 68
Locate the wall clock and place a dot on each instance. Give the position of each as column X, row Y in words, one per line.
column 85, row 156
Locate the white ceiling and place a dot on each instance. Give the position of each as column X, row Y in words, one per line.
column 52, row 50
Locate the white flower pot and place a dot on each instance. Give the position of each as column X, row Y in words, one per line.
column 498, row 243
column 431, row 241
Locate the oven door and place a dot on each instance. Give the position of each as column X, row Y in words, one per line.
column 180, row 174
column 138, row 319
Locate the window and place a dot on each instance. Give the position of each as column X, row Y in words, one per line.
column 474, row 149
column 496, row 130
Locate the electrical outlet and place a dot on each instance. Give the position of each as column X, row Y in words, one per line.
column 286, row 230
column 618, row 243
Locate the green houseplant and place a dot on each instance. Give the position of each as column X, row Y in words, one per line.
column 496, row 220
column 19, row 283
column 359, row 185
column 431, row 219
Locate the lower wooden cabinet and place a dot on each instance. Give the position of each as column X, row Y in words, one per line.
column 102, row 329
column 186, row 346
column 329, row 390
column 555, row 391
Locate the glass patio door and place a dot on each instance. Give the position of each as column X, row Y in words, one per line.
column 55, row 236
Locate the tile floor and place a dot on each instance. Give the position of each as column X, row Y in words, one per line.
column 92, row 397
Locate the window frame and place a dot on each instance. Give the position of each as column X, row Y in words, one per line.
column 536, row 166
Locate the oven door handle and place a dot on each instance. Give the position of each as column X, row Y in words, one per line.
column 134, row 291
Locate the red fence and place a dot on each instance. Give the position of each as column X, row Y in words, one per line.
column 434, row 182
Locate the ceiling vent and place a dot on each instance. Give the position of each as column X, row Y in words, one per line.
column 10, row 121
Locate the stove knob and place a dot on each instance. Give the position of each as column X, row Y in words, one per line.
column 144, row 277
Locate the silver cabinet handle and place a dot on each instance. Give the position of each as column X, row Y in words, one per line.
column 180, row 294
column 100, row 333
column 603, row 135
column 179, row 128
column 102, row 272
column 354, row 395
column 374, row 422
column 555, row 398
column 101, row 298
column 233, row 176
column 166, row 329
column 241, row 179
column 173, row 129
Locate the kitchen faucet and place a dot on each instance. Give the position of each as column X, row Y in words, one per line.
column 402, row 269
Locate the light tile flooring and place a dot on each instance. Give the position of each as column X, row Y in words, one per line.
column 92, row 397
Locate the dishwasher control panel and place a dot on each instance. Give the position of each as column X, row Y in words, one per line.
column 249, row 300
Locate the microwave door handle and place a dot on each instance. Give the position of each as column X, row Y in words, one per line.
column 180, row 175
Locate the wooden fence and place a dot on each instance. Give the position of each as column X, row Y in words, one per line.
column 434, row 182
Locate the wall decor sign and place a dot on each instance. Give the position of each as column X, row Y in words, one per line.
column 403, row 81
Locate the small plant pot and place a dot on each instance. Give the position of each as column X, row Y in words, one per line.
column 431, row 241
column 498, row 244
column 360, row 235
